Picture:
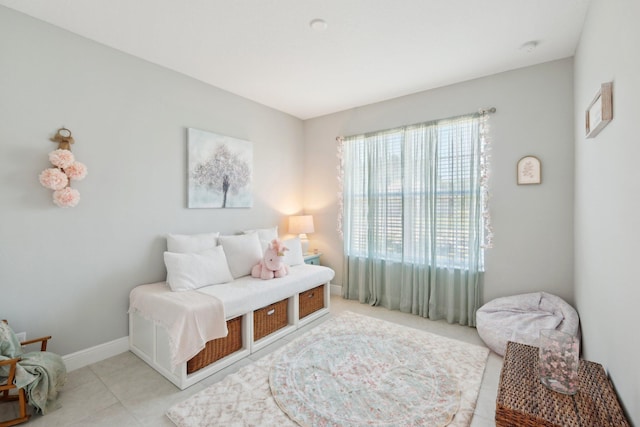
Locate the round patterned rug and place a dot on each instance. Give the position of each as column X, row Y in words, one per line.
column 356, row 379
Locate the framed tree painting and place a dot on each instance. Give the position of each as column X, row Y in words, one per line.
column 220, row 170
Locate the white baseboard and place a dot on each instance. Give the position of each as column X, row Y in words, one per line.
column 336, row 290
column 85, row 357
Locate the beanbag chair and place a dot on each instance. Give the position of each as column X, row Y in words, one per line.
column 520, row 318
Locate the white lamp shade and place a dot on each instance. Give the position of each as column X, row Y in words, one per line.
column 301, row 224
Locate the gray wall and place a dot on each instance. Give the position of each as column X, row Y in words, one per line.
column 533, row 225
column 607, row 199
column 68, row 272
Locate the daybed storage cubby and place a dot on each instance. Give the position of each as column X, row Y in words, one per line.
column 269, row 319
column 211, row 312
column 218, row 348
column 311, row 301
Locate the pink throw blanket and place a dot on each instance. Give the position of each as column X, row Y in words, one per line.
column 190, row 318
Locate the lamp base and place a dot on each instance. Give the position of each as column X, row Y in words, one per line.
column 305, row 243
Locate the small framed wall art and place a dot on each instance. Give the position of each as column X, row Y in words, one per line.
column 600, row 111
column 529, row 170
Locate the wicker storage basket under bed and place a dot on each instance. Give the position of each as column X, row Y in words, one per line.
column 269, row 319
column 523, row 401
column 311, row 301
column 218, row 348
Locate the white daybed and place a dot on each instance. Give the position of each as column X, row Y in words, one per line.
column 257, row 311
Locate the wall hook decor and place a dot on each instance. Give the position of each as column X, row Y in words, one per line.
column 66, row 169
column 63, row 138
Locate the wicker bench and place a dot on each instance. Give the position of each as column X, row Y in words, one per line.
column 524, row 401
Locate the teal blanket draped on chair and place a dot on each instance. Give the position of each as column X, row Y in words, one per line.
column 41, row 373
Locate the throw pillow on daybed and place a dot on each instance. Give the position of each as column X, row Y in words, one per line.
column 243, row 252
column 187, row 243
column 265, row 234
column 291, row 257
column 294, row 255
column 194, row 270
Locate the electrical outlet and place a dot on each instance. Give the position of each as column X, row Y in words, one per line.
column 22, row 336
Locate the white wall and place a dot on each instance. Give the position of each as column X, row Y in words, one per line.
column 68, row 272
column 607, row 203
column 533, row 224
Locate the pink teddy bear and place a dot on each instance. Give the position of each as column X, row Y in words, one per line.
column 272, row 264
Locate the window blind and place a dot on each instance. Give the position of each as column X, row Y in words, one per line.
column 413, row 194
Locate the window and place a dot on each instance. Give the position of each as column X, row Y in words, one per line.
column 414, row 194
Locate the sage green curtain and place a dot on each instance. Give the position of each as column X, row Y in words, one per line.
column 413, row 217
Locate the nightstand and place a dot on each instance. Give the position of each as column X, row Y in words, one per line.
column 312, row 258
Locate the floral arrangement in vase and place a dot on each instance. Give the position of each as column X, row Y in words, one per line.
column 559, row 360
column 66, row 169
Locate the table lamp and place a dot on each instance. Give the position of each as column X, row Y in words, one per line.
column 301, row 225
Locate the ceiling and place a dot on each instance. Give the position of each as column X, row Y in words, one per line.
column 371, row 50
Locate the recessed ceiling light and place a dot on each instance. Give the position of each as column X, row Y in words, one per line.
column 529, row 46
column 318, row 25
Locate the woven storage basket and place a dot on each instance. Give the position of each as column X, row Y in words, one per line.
column 523, row 401
column 269, row 319
column 218, row 348
column 311, row 300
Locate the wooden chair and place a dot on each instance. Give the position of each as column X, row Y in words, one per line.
column 8, row 390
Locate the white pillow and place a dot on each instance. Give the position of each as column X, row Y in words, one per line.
column 195, row 270
column 242, row 251
column 188, row 243
column 267, row 234
column 294, row 255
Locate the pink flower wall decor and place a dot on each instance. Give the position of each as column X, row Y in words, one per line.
column 66, row 169
column 53, row 179
column 76, row 171
column 61, row 158
column 66, row 198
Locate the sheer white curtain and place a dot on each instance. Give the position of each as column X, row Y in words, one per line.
column 413, row 218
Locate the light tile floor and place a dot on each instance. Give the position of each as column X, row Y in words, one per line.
column 124, row 391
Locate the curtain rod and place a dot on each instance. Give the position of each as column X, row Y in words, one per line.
column 488, row 110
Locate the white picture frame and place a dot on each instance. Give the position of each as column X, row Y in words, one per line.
column 600, row 111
